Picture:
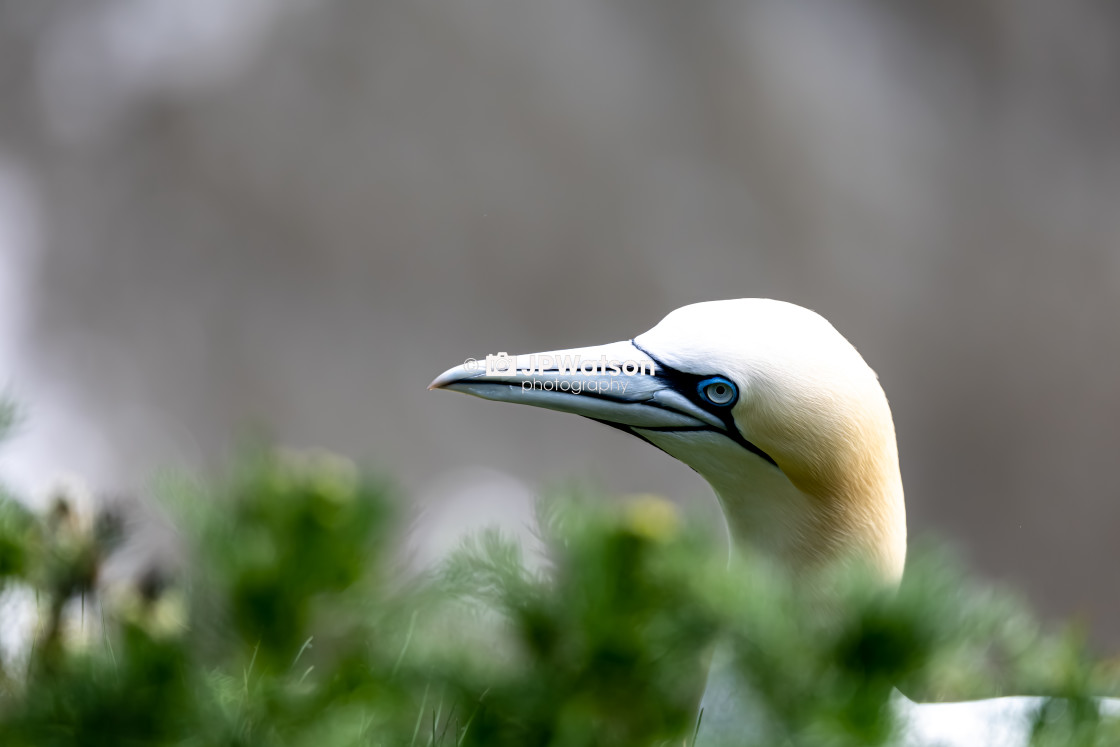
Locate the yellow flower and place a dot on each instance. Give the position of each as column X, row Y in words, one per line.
column 652, row 517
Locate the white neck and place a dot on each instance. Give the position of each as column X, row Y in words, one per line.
column 862, row 520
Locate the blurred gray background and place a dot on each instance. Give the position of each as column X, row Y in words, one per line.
column 294, row 214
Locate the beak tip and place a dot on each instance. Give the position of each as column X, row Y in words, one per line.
column 447, row 378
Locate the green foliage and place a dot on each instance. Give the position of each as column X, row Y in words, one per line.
column 296, row 625
column 8, row 416
column 609, row 645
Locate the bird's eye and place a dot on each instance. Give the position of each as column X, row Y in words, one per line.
column 718, row 391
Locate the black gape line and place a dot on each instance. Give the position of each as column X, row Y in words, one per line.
column 687, row 385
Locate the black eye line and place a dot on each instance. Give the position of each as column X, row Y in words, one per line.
column 687, row 385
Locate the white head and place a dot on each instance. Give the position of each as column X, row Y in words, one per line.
column 767, row 401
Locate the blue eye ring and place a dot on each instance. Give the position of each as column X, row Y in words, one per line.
column 718, row 391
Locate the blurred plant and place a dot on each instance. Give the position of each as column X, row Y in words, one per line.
column 7, row 416
column 295, row 625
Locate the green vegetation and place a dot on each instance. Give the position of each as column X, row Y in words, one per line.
column 295, row 624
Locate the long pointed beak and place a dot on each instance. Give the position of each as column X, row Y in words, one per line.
column 617, row 384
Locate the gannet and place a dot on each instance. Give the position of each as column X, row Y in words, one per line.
column 791, row 428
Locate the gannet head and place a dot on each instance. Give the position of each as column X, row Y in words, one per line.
column 765, row 399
